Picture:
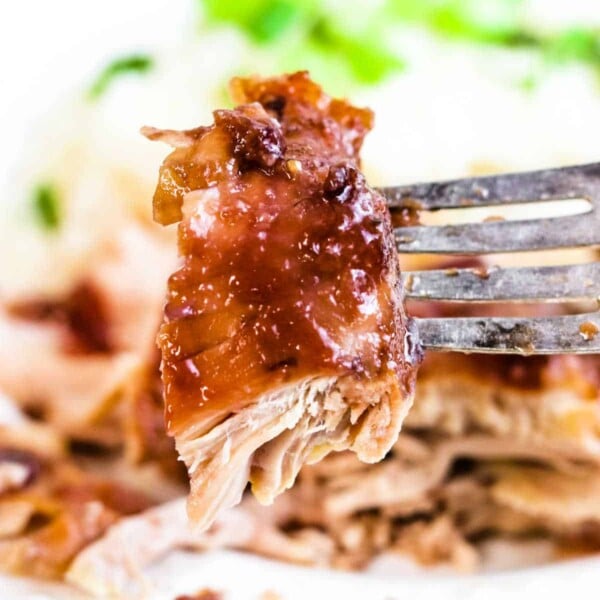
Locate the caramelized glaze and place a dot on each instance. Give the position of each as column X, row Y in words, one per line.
column 287, row 253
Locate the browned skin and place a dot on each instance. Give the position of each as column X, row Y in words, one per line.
column 291, row 277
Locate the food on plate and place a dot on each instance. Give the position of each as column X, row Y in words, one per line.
column 204, row 594
column 93, row 345
column 50, row 509
column 285, row 336
column 494, row 448
column 494, row 453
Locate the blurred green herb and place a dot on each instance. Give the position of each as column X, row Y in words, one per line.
column 315, row 26
column 479, row 21
column 466, row 20
column 273, row 19
column 263, row 20
column 46, row 206
column 267, row 21
column 529, row 83
column 368, row 59
column 134, row 63
column 575, row 45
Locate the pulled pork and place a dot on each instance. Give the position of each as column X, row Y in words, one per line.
column 431, row 500
column 494, row 448
column 50, row 509
column 285, row 336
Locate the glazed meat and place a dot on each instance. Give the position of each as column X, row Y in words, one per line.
column 284, row 335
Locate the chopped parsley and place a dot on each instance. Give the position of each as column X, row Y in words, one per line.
column 497, row 22
column 478, row 21
column 575, row 44
column 317, row 32
column 311, row 27
column 263, row 20
column 134, row 63
column 367, row 58
column 273, row 20
column 46, row 206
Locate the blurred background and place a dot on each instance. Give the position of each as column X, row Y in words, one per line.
column 458, row 87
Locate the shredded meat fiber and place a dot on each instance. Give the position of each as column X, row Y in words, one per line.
column 284, row 335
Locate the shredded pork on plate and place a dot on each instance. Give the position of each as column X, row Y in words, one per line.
column 284, row 336
column 505, row 447
column 344, row 513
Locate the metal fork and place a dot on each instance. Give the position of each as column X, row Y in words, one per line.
column 579, row 334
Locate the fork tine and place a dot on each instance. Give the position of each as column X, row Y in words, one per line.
column 549, row 335
column 570, row 282
column 503, row 236
column 578, row 334
column 533, row 186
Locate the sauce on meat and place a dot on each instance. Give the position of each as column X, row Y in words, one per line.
column 284, row 266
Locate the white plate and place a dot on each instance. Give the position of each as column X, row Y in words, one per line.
column 243, row 577
column 44, row 48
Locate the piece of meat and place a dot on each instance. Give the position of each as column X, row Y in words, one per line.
column 527, row 399
column 284, row 336
column 48, row 518
column 437, row 541
column 113, row 565
column 204, row 594
column 344, row 513
column 69, row 391
column 92, row 346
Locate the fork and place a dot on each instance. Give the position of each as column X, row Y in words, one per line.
column 577, row 333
